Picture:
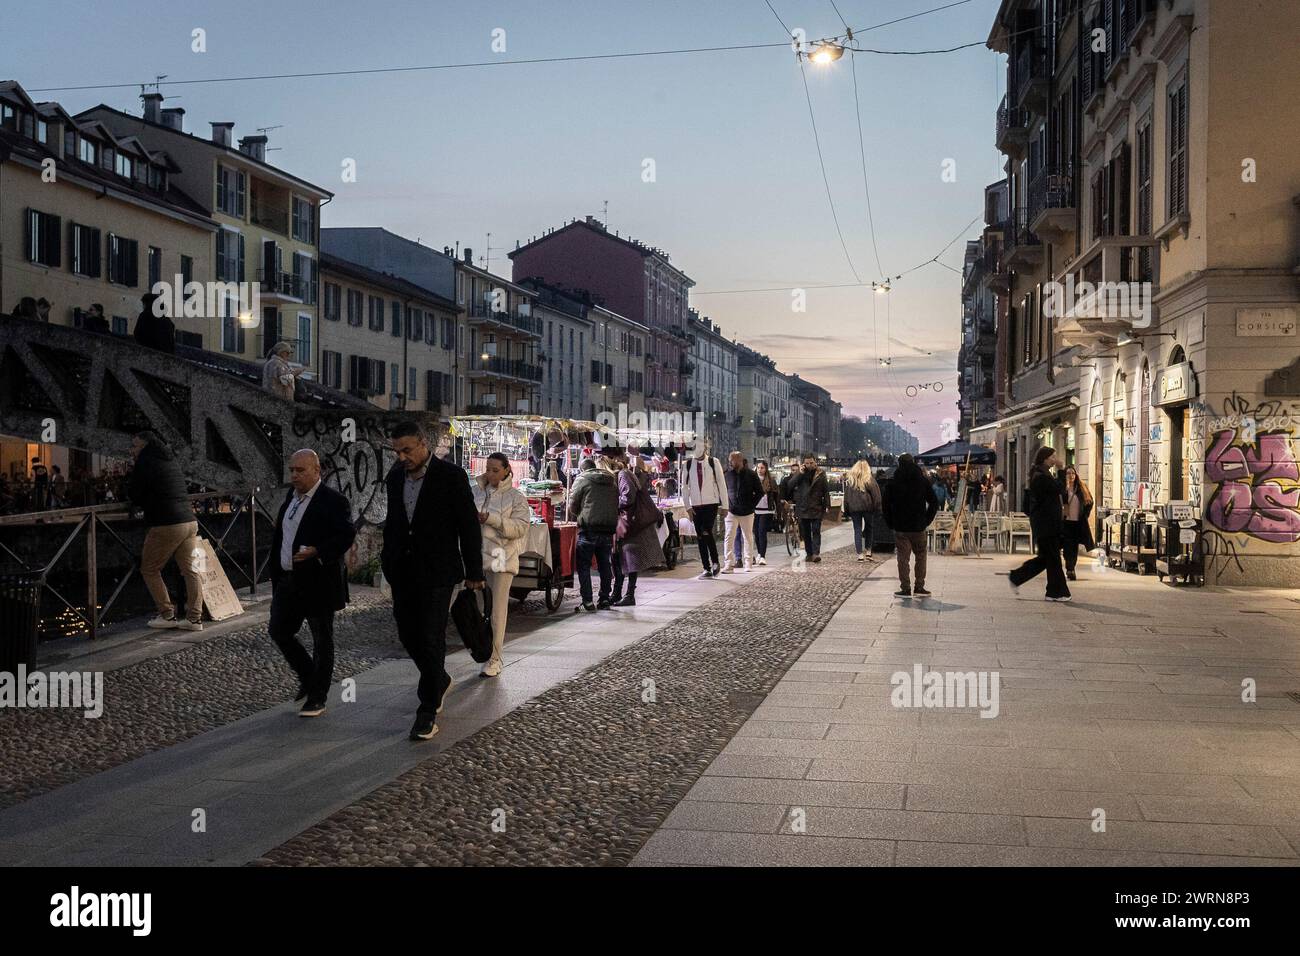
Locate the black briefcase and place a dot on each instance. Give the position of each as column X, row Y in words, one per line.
column 471, row 612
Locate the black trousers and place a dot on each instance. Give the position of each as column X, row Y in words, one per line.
column 620, row 577
column 811, row 530
column 1048, row 559
column 1071, row 538
column 289, row 608
column 421, row 614
column 705, row 517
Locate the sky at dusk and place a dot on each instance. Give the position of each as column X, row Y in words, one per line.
column 738, row 201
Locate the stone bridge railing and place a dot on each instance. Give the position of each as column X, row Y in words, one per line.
column 64, row 386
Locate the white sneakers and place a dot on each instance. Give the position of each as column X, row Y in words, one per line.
column 728, row 569
column 762, row 560
column 187, row 625
column 164, row 622
column 492, row 668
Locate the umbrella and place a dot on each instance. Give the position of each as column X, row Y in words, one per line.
column 956, row 452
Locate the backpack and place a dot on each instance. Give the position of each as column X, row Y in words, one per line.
column 472, row 614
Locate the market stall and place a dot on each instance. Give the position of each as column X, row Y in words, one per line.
column 544, row 455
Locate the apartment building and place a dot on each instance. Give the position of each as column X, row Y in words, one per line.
column 503, row 372
column 386, row 339
column 1183, row 212
column 976, row 405
column 618, row 363
column 760, row 388
column 90, row 216
column 631, row 278
column 569, row 332
column 713, row 388
column 820, row 418
column 268, row 225
column 889, row 437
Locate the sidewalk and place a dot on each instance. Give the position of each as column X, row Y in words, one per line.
column 264, row 779
column 1127, row 700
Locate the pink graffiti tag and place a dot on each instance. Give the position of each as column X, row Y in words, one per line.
column 1257, row 493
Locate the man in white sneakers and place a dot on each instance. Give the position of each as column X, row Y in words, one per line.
column 704, row 491
column 743, row 492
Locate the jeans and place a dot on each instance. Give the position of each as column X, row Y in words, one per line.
column 1048, row 559
column 810, row 529
column 705, row 517
column 421, row 615
column 864, row 533
column 739, row 528
column 288, row 611
column 906, row 544
column 180, row 542
column 762, row 522
column 598, row 545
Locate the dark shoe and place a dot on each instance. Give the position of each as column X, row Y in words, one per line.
column 713, row 571
column 445, row 691
column 424, row 728
column 903, row 592
column 585, row 608
column 312, row 709
column 1071, row 576
column 921, row 592
column 816, row 559
column 603, row 604
column 628, row 601
column 615, row 597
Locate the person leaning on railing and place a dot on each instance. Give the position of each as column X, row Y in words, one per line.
column 158, row 488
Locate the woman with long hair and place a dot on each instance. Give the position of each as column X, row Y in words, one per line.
column 767, row 510
column 636, row 547
column 861, row 502
column 1076, row 528
column 504, row 514
column 1044, row 508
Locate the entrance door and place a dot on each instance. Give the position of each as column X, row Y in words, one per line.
column 1178, row 465
column 270, row 329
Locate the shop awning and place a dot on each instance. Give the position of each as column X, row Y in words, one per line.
column 958, row 453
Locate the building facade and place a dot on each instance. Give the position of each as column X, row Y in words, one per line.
column 977, row 405
column 93, row 217
column 822, row 417
column 386, row 339
column 1190, row 384
column 617, row 352
column 632, row 279
column 568, row 334
column 268, row 226
column 714, row 388
column 503, row 372
column 889, row 437
column 759, row 390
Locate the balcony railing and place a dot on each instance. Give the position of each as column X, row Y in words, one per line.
column 508, row 320
column 281, row 283
column 509, row 368
column 1052, row 188
column 1029, row 72
column 1012, row 127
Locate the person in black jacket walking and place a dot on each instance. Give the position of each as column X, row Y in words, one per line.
column 158, row 487
column 908, row 506
column 432, row 542
column 593, row 504
column 1045, row 519
column 743, row 493
column 309, row 581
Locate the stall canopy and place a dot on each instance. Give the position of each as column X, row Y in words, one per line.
column 955, row 452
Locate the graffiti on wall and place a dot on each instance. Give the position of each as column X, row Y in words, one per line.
column 1129, row 465
column 353, row 460
column 1249, row 457
column 1107, row 465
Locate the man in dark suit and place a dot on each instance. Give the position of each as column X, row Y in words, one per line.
column 313, row 532
column 432, row 542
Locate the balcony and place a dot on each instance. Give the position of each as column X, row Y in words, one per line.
column 1012, row 130
column 481, row 409
column 281, row 285
column 1052, row 206
column 1129, row 268
column 268, row 215
column 495, row 366
column 1021, row 248
column 484, row 317
column 995, row 275
column 1030, row 77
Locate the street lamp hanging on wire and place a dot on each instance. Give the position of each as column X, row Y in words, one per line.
column 825, row 52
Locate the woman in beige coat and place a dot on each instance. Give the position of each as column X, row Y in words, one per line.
column 504, row 514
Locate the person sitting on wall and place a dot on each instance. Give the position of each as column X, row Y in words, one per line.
column 94, row 320
column 152, row 328
column 279, row 375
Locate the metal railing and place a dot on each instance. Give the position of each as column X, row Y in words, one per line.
column 1010, row 118
column 1030, row 66
column 1051, row 188
column 281, row 283
column 522, row 323
column 94, row 519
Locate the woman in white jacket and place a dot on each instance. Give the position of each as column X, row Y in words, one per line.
column 504, row 513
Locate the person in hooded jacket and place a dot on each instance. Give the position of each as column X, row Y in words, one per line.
column 593, row 505
column 908, row 506
column 505, row 516
column 158, row 487
column 1043, row 505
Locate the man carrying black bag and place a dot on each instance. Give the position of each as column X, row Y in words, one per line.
column 313, row 532
column 432, row 542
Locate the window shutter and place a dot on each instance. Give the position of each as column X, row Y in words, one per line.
column 1124, row 207
column 133, row 263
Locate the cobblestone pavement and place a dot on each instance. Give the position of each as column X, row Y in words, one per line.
column 583, row 773
column 1127, row 701
column 159, row 702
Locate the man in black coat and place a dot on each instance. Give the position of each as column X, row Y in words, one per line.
column 432, row 542
column 744, row 491
column 1043, row 505
column 811, row 495
column 908, row 505
column 313, row 533
column 152, row 327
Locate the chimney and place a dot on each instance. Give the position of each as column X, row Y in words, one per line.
column 152, row 106
column 254, row 146
column 469, row 256
column 174, row 118
column 221, row 133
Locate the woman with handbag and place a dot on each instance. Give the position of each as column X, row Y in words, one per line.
column 504, row 514
column 636, row 544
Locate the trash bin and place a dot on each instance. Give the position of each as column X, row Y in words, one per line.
column 20, row 612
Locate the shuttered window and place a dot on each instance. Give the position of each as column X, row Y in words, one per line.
column 1178, row 149
column 41, row 238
